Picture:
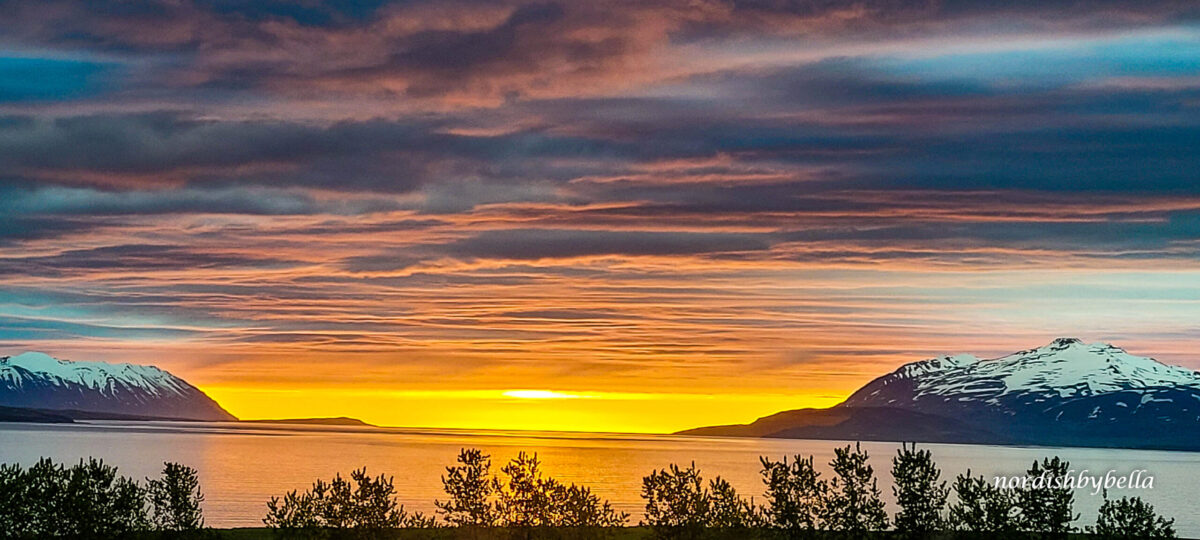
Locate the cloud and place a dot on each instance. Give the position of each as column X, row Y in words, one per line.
column 536, row 244
column 60, row 201
column 471, row 53
column 134, row 258
column 540, row 243
column 679, row 192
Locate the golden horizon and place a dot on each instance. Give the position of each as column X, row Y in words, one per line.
column 511, row 409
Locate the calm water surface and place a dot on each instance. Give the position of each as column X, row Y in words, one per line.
column 242, row 466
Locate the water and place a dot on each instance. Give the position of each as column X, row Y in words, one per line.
column 242, row 466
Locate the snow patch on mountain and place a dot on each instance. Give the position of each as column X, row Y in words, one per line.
column 99, row 376
column 1065, row 368
column 40, row 381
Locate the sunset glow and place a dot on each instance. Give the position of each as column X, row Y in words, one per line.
column 591, row 216
column 540, row 394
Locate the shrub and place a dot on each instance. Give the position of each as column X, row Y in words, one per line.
column 528, row 499
column 919, row 494
column 470, row 488
column 676, row 504
column 1046, row 503
column 727, row 509
column 981, row 507
column 853, row 503
column 525, row 499
column 1130, row 518
column 85, row 500
column 795, row 494
column 367, row 506
column 577, row 506
column 679, row 505
column 15, row 507
column 175, row 499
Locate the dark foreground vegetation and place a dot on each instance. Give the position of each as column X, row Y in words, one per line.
column 520, row 502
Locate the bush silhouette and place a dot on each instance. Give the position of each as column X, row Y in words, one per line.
column 528, row 499
column 175, row 499
column 981, row 507
column 795, row 494
column 1046, row 503
column 919, row 494
column 1130, row 518
column 853, row 503
column 92, row 500
column 365, row 508
column 470, row 487
column 577, row 506
column 727, row 509
column 678, row 505
column 524, row 498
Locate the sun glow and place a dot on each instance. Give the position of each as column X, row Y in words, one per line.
column 540, row 394
column 522, row 409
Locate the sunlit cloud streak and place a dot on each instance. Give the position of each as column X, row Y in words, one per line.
column 766, row 203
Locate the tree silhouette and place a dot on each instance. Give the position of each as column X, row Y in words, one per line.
column 577, row 506
column 919, row 494
column 15, row 511
column 470, row 488
column 982, row 507
column 86, row 500
column 795, row 493
column 524, row 499
column 175, row 499
column 366, row 508
column 1046, row 503
column 1129, row 519
column 854, row 503
column 528, row 499
column 676, row 504
column 91, row 500
column 727, row 509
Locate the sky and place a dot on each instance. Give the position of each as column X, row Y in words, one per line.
column 604, row 216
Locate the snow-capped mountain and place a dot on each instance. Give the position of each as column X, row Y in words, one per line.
column 1066, row 368
column 39, row 381
column 1064, row 393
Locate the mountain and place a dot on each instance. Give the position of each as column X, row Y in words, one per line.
column 1064, row 393
column 858, row 424
column 333, row 421
column 38, row 381
column 18, row 414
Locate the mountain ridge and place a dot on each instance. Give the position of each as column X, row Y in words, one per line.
column 34, row 380
column 1065, row 393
